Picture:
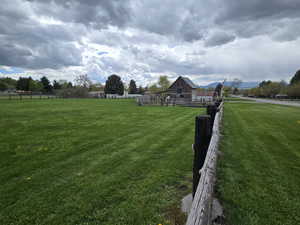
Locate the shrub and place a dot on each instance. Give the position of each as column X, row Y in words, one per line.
column 78, row 92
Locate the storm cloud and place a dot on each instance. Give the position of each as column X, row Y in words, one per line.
column 206, row 40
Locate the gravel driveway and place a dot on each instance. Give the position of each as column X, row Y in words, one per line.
column 278, row 102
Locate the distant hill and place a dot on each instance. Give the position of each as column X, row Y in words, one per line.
column 244, row 85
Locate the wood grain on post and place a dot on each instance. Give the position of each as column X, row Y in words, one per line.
column 201, row 143
column 200, row 213
column 211, row 110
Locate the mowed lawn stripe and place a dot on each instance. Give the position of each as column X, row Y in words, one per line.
column 259, row 170
column 114, row 148
column 119, row 163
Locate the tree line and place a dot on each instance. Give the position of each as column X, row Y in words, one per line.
column 42, row 85
column 272, row 89
column 114, row 85
column 81, row 86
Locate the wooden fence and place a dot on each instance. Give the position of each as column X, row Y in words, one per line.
column 26, row 96
column 164, row 101
column 207, row 136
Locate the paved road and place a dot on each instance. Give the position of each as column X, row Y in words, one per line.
column 277, row 102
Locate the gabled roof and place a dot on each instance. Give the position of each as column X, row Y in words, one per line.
column 189, row 82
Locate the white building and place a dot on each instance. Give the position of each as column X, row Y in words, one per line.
column 202, row 96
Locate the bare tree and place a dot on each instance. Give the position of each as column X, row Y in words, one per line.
column 83, row 81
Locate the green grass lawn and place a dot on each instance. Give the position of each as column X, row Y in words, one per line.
column 259, row 169
column 93, row 162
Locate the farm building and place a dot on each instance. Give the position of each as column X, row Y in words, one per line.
column 182, row 92
column 203, row 96
column 96, row 94
column 183, row 89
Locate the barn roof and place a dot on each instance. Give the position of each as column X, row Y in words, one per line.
column 189, row 82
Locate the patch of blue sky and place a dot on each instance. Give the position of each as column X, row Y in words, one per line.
column 96, row 77
column 11, row 70
column 102, row 53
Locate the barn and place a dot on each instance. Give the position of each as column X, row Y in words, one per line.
column 183, row 89
column 182, row 92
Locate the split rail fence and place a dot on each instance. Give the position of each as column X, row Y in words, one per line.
column 207, row 137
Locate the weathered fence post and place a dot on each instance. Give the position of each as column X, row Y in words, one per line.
column 201, row 143
column 218, row 103
column 212, row 111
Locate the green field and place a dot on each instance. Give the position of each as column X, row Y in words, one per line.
column 259, row 169
column 93, row 162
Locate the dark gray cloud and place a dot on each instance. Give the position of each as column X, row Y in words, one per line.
column 235, row 10
column 252, row 18
column 25, row 42
column 12, row 55
column 218, row 38
column 97, row 13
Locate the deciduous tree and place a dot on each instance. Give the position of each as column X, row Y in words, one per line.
column 163, row 83
column 3, row 86
column 83, row 81
column 56, row 85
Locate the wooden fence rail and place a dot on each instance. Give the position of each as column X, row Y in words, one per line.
column 26, row 96
column 200, row 213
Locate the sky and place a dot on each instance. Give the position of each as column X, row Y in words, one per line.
column 207, row 41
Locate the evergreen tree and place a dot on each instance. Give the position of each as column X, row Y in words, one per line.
column 296, row 78
column 132, row 87
column 23, row 84
column 47, row 87
column 69, row 85
column 114, row 85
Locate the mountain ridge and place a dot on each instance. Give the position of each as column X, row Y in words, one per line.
column 243, row 85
